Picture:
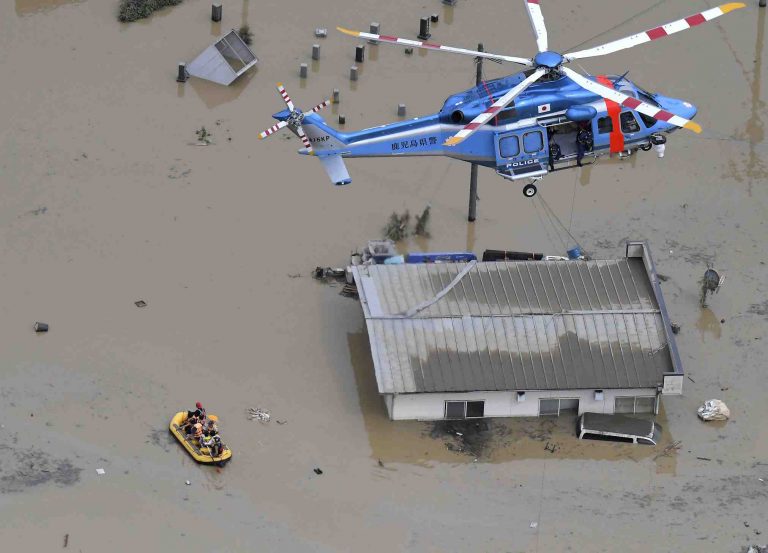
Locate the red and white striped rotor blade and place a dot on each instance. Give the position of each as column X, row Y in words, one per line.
column 655, row 33
column 273, row 129
column 433, row 46
column 321, row 105
column 286, row 98
column 630, row 102
column 494, row 109
column 537, row 22
column 304, row 139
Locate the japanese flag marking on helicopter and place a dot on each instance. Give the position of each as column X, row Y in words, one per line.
column 545, row 108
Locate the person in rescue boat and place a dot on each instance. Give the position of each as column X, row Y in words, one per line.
column 199, row 412
column 211, row 429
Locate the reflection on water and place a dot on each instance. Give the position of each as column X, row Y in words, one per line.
column 29, row 7
column 708, row 323
column 448, row 14
column 585, row 175
column 493, row 440
column 216, row 28
column 471, row 237
column 213, row 94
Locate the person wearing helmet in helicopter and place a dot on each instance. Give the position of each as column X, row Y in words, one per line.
column 584, row 141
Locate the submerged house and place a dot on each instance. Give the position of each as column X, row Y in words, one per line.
column 524, row 338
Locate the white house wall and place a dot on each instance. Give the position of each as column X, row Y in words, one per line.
column 424, row 406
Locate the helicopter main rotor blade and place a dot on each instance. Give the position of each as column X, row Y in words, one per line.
column 630, row 102
column 321, row 105
column 495, row 108
column 273, row 129
column 286, row 98
column 537, row 22
column 656, row 33
column 304, row 139
column 433, row 46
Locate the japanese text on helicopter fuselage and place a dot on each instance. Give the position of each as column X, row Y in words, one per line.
column 414, row 143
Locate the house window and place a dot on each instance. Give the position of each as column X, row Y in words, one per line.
column 629, row 124
column 558, row 406
column 604, row 125
column 509, row 146
column 464, row 409
column 641, row 404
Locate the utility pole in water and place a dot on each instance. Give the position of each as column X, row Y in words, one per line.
column 473, row 170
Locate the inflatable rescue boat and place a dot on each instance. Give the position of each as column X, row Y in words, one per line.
column 199, row 454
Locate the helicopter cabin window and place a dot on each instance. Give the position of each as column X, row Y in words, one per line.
column 604, row 125
column 647, row 119
column 533, row 142
column 629, row 123
column 509, row 146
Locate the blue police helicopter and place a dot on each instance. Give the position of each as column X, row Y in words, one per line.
column 544, row 119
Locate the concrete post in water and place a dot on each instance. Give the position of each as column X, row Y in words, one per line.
column 449, row 2
column 434, row 18
column 424, row 28
column 303, row 71
column 472, row 214
column 401, row 110
column 182, row 76
column 374, row 31
column 353, row 73
column 216, row 11
column 315, row 51
column 342, row 119
column 359, row 53
column 335, row 95
column 761, row 3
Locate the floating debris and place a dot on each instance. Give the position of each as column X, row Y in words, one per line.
column 714, row 410
column 258, row 414
column 140, row 303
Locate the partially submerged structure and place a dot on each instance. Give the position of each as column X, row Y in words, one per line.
column 525, row 338
column 224, row 60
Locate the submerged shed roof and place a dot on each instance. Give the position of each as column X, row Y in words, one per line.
column 224, row 60
column 536, row 325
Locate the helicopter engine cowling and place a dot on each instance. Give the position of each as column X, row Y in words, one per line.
column 580, row 113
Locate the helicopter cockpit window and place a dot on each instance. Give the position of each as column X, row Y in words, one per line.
column 628, row 123
column 604, row 125
column 509, row 146
column 533, row 142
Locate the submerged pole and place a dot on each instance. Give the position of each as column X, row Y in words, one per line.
column 472, row 214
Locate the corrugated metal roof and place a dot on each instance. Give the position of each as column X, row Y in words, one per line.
column 536, row 325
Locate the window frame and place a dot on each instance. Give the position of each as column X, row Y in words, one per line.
column 465, row 409
column 541, row 147
column 600, row 129
column 621, row 122
column 501, row 142
column 634, row 405
column 559, row 405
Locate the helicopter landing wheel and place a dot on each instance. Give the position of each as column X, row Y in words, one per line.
column 646, row 147
column 529, row 190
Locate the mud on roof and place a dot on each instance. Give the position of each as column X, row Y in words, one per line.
column 530, row 325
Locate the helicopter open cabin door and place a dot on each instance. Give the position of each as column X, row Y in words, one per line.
column 522, row 154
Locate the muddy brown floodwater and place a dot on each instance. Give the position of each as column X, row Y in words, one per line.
column 106, row 201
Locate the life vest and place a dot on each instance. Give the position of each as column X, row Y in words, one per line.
column 198, row 430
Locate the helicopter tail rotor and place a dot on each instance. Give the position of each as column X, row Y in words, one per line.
column 293, row 119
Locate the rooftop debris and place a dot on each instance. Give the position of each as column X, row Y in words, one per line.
column 133, row 10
